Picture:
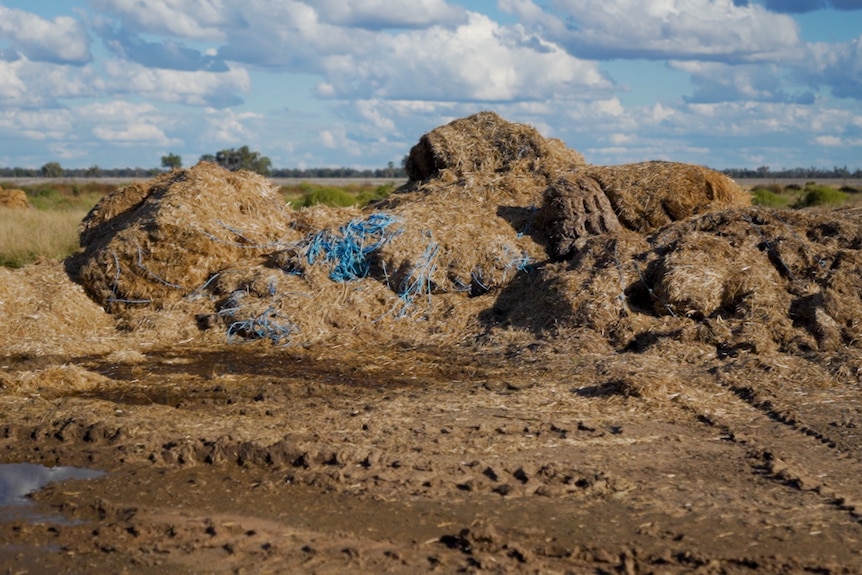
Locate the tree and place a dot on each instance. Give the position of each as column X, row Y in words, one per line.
column 93, row 171
column 241, row 159
column 172, row 162
column 52, row 170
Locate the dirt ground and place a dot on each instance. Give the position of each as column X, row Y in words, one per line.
column 258, row 459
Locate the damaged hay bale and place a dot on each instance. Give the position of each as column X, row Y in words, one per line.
column 702, row 274
column 785, row 281
column 575, row 207
column 469, row 210
column 13, row 199
column 487, row 143
column 590, row 291
column 155, row 242
column 649, row 195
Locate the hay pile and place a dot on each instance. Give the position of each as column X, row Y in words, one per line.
column 13, row 199
column 43, row 314
column 745, row 280
column 499, row 236
column 156, row 242
column 469, row 208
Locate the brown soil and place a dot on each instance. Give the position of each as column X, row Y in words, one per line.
column 683, row 400
column 256, row 459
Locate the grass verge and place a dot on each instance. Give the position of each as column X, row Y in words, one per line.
column 29, row 235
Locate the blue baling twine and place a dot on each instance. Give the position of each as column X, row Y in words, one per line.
column 348, row 250
column 521, row 263
column 262, row 326
column 266, row 325
column 418, row 281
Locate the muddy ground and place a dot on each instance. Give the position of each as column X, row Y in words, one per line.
column 258, row 459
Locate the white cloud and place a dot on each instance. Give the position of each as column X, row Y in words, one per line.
column 339, row 139
column 192, row 19
column 62, row 39
column 719, row 82
column 479, row 61
column 36, row 124
column 12, row 88
column 225, row 126
column 289, row 35
column 129, row 134
column 377, row 14
column 680, row 29
column 27, row 84
column 828, row 141
column 123, row 123
column 838, row 66
column 198, row 88
column 371, row 113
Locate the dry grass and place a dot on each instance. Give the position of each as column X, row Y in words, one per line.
column 28, row 235
column 43, row 314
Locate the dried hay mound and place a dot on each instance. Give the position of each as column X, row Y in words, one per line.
column 588, row 291
column 575, row 207
column 792, row 277
column 262, row 302
column 468, row 212
column 53, row 381
column 649, row 195
column 486, row 143
column 486, row 246
column 159, row 241
column 740, row 280
column 43, row 313
column 13, row 199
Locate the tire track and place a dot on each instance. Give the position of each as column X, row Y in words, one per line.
column 785, row 449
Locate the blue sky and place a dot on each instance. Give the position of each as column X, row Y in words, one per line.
column 312, row 83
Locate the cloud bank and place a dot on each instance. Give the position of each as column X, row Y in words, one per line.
column 356, row 82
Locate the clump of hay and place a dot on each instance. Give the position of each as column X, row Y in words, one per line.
column 485, row 143
column 499, row 231
column 702, row 275
column 13, row 199
column 53, row 381
column 749, row 280
column 156, row 242
column 416, row 263
column 649, row 195
column 43, row 313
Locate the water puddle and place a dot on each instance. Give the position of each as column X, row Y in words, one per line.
column 17, row 480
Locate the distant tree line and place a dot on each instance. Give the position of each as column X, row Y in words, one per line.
column 54, row 170
column 388, row 172
column 246, row 159
column 795, row 173
column 232, row 159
